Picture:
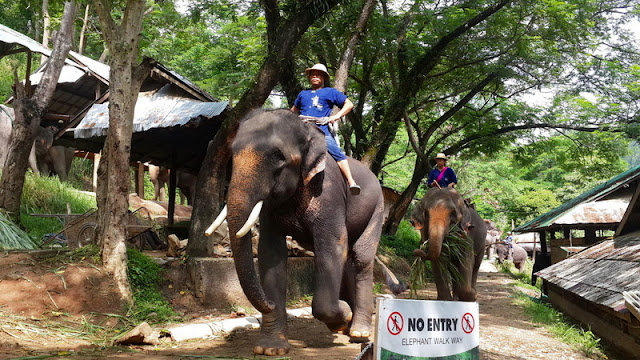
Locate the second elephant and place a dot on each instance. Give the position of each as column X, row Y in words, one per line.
column 434, row 217
column 515, row 254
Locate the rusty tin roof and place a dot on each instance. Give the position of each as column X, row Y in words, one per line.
column 600, row 273
column 603, row 204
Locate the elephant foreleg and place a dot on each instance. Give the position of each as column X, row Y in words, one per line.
column 464, row 286
column 272, row 264
column 441, row 279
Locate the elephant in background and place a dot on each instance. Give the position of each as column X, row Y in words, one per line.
column 493, row 236
column 6, row 129
column 52, row 159
column 185, row 181
column 515, row 254
column 433, row 217
column 283, row 175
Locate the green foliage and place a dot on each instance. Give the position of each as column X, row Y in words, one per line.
column 405, row 240
column 145, row 277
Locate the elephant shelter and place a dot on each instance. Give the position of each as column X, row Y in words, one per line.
column 594, row 279
column 174, row 119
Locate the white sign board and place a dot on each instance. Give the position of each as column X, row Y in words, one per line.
column 424, row 329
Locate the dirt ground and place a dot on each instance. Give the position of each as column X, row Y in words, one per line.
column 42, row 304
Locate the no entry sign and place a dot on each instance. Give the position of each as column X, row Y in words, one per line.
column 424, row 329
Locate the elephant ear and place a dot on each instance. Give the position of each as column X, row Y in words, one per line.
column 465, row 222
column 316, row 157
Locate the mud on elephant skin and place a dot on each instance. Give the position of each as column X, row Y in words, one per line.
column 281, row 171
column 434, row 216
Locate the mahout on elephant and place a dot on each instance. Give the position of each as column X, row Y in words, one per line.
column 282, row 175
column 435, row 216
column 514, row 253
column 494, row 234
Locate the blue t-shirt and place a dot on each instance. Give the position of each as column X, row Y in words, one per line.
column 319, row 103
column 448, row 177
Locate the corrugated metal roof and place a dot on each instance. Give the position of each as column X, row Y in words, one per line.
column 549, row 218
column 596, row 212
column 600, row 273
column 12, row 37
column 154, row 109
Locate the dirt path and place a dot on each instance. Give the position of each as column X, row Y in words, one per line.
column 505, row 333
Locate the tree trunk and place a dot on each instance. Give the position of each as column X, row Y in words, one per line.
column 125, row 79
column 29, row 109
column 46, row 28
column 85, row 22
column 399, row 209
column 342, row 73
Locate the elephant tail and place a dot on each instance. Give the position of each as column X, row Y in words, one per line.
column 396, row 285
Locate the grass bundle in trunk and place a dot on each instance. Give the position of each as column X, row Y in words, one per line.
column 454, row 245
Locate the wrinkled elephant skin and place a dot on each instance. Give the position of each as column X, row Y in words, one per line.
column 433, row 217
column 282, row 163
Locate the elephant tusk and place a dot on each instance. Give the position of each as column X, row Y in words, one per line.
column 252, row 220
column 217, row 222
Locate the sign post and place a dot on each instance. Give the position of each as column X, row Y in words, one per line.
column 424, row 329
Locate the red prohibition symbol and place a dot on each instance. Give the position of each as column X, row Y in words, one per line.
column 395, row 322
column 468, row 323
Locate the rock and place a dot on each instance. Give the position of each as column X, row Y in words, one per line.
column 140, row 335
column 176, row 246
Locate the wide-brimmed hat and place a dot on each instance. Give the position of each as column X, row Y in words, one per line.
column 318, row 67
column 441, row 156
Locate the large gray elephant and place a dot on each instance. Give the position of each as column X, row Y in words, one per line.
column 514, row 253
column 281, row 171
column 434, row 216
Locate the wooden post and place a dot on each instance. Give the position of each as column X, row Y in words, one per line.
column 139, row 182
column 96, row 162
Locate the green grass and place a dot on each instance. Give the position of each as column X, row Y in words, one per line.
column 47, row 195
column 405, row 240
column 145, row 277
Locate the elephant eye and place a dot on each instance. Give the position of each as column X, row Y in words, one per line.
column 277, row 158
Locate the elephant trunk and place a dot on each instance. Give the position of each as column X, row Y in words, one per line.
column 437, row 231
column 238, row 214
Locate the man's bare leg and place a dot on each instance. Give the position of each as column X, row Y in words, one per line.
column 346, row 171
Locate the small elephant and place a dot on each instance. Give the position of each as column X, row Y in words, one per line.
column 282, row 175
column 52, row 159
column 434, row 217
column 185, row 181
column 159, row 176
column 515, row 254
